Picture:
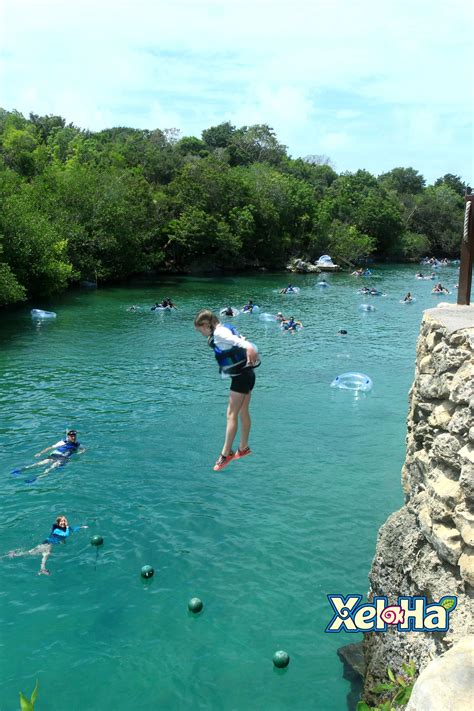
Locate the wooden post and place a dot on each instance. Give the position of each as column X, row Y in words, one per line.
column 467, row 253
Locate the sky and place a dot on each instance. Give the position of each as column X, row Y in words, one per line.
column 372, row 84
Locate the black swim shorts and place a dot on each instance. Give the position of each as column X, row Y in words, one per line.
column 244, row 382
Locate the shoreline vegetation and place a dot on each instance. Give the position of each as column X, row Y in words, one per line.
column 81, row 206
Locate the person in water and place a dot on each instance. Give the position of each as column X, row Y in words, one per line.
column 280, row 317
column 134, row 307
column 408, row 297
column 236, row 357
column 440, row 289
column 287, row 289
column 62, row 450
column 249, row 306
column 291, row 324
column 60, row 531
column 228, row 311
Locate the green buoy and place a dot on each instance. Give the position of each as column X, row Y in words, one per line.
column 97, row 540
column 147, row 571
column 281, row 659
column 195, row 604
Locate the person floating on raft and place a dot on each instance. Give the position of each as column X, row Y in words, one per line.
column 62, row 450
column 290, row 289
column 249, row 307
column 60, row 531
column 440, row 289
column 237, row 358
column 408, row 297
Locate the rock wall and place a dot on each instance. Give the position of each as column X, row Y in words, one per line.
column 427, row 547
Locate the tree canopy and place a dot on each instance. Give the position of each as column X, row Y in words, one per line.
column 77, row 204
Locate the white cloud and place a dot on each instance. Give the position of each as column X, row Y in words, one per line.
column 297, row 66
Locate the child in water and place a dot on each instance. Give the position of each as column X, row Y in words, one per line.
column 236, row 357
column 60, row 530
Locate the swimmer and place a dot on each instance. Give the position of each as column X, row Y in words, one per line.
column 408, row 297
column 280, row 317
column 342, row 332
column 291, row 324
column 357, row 272
column 249, row 306
column 60, row 530
column 228, row 311
column 238, row 358
column 62, row 450
column 287, row 290
column 133, row 308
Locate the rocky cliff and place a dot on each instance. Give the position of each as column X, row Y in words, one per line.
column 427, row 547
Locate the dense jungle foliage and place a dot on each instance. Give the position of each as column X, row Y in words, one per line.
column 106, row 205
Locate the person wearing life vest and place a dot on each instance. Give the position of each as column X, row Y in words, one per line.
column 237, row 358
column 60, row 531
column 60, row 453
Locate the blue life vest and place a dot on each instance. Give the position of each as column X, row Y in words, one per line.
column 58, row 535
column 67, row 448
column 232, row 361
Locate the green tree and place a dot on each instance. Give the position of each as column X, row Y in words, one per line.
column 403, row 181
column 347, row 243
column 455, row 182
column 438, row 214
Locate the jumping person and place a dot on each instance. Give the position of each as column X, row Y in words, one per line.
column 60, row 530
column 236, row 357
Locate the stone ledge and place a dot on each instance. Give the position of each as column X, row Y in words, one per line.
column 451, row 316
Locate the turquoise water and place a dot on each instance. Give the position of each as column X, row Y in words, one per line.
column 262, row 543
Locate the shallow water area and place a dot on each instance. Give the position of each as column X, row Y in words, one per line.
column 261, row 543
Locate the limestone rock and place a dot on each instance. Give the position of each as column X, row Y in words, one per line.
column 438, row 387
column 446, row 449
column 446, row 683
column 426, row 365
column 441, row 415
column 464, row 521
column 466, row 454
column 444, row 488
column 445, row 358
column 466, row 565
column 466, row 482
column 461, row 385
column 461, row 421
column 446, row 541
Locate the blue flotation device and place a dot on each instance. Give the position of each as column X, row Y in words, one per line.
column 39, row 313
column 352, row 381
column 233, row 360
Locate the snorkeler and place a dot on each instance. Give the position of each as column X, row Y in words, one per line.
column 236, row 357
column 62, row 450
column 60, row 530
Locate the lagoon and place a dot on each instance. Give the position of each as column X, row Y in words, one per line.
column 261, row 543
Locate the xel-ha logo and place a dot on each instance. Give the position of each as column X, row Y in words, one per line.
column 412, row 614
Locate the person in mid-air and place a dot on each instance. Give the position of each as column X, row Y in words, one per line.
column 237, row 358
column 60, row 453
column 60, row 531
